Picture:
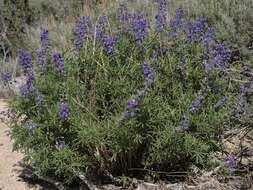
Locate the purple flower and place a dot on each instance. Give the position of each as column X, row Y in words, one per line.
column 154, row 55
column 148, row 72
column 64, row 111
column 25, row 60
column 81, row 31
column 127, row 115
column 221, row 50
column 30, row 77
column 60, row 143
column 161, row 17
column 132, row 104
column 198, row 102
column 6, row 77
column 219, row 58
column 230, row 162
column 109, row 43
column 177, row 23
column 31, row 126
column 124, row 16
column 184, row 124
column 44, row 38
column 28, row 88
column 43, row 50
column 221, row 103
column 208, row 37
column 140, row 26
column 42, row 59
column 39, row 101
column 101, row 28
column 196, row 30
column 59, row 62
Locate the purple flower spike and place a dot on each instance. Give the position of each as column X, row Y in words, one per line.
column 140, row 26
column 44, row 38
column 101, row 28
column 6, row 77
column 177, row 23
column 198, row 102
column 43, row 50
column 220, row 56
column 208, row 37
column 25, row 60
column 27, row 90
column 64, row 111
column 42, row 59
column 81, row 31
column 161, row 17
column 196, row 30
column 222, row 51
column 148, row 74
column 31, row 126
column 124, row 16
column 132, row 104
column 40, row 101
column 109, row 43
column 230, row 162
column 59, row 62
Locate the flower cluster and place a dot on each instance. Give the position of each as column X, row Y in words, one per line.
column 64, row 111
column 101, row 28
column 6, row 77
column 184, row 124
column 196, row 30
column 59, row 62
column 43, row 50
column 81, row 31
column 124, row 16
column 177, row 23
column 219, row 58
column 161, row 17
column 198, row 102
column 230, row 162
column 134, row 102
column 25, row 60
column 39, row 101
column 107, row 40
column 109, row 43
column 221, row 103
column 195, row 106
column 44, row 38
column 60, row 143
column 208, row 37
column 140, row 26
column 148, row 74
column 31, row 126
column 28, row 88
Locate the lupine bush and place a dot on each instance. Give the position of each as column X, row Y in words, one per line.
column 133, row 96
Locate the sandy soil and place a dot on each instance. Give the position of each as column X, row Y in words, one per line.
column 9, row 161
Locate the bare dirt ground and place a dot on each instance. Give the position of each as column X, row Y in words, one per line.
column 9, row 161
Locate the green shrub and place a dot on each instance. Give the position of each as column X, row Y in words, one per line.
column 78, row 118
